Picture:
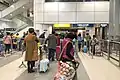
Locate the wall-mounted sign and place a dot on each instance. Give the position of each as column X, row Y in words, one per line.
column 103, row 25
column 61, row 25
column 83, row 25
column 10, row 29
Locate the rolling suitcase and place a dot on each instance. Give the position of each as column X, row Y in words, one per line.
column 44, row 65
column 85, row 49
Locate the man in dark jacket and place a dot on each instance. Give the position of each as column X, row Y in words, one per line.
column 52, row 43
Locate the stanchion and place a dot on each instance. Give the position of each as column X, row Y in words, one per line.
column 108, row 50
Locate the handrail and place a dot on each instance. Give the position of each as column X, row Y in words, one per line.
column 20, row 28
column 25, row 19
column 110, row 47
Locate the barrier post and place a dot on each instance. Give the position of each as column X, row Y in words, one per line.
column 108, row 50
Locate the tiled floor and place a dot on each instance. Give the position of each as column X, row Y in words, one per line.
column 99, row 68
column 11, row 71
column 8, row 59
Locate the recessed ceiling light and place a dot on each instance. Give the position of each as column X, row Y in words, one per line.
column 10, row 14
column 23, row 7
column 12, row 6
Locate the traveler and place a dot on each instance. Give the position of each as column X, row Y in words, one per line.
column 18, row 41
column 80, row 39
column 88, row 38
column 93, row 44
column 42, row 38
column 31, row 50
column 7, row 41
column 12, row 41
column 52, row 43
column 68, row 51
column 24, row 34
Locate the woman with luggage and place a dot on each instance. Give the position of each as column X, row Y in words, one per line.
column 31, row 50
column 67, row 54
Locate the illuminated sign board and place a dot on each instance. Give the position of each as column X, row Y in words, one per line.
column 103, row 25
column 61, row 25
column 83, row 25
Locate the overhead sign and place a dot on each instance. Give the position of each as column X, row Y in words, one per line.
column 61, row 25
column 103, row 25
column 83, row 25
column 10, row 29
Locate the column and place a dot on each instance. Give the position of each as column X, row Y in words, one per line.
column 114, row 18
column 111, row 12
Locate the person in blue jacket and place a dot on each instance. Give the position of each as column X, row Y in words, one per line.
column 80, row 39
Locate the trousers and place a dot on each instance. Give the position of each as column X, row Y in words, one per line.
column 51, row 54
column 30, row 65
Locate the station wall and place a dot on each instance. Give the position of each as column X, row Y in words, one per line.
column 71, row 12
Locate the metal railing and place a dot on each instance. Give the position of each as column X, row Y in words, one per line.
column 111, row 49
column 21, row 28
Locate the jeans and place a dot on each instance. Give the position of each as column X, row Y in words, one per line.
column 51, row 54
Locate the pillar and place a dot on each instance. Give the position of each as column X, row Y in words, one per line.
column 114, row 18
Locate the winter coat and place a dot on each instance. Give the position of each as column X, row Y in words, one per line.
column 52, row 41
column 31, row 48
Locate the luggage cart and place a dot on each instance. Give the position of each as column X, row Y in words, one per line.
column 98, row 50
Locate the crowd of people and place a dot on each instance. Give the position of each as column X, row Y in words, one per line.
column 61, row 44
column 13, row 42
